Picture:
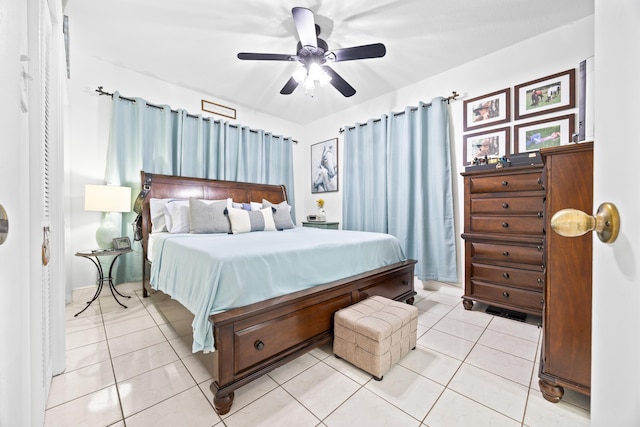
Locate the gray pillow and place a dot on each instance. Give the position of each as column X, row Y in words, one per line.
column 281, row 215
column 208, row 218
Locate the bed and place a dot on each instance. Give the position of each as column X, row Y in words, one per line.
column 247, row 340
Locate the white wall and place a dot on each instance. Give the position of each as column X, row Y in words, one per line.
column 549, row 53
column 553, row 52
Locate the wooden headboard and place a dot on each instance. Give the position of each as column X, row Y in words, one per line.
column 181, row 187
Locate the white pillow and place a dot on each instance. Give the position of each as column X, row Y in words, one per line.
column 177, row 216
column 243, row 221
column 157, row 211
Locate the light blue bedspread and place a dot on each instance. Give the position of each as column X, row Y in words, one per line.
column 211, row 273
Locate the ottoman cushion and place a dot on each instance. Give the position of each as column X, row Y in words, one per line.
column 375, row 333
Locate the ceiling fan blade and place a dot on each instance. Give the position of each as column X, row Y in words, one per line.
column 376, row 50
column 338, row 82
column 267, row 56
column 306, row 26
column 289, row 87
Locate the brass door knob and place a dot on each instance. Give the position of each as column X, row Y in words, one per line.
column 574, row 223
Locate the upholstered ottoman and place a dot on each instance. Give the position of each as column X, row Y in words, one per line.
column 375, row 333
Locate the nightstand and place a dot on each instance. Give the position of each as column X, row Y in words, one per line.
column 94, row 257
column 318, row 224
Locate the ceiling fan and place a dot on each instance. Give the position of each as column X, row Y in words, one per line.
column 313, row 53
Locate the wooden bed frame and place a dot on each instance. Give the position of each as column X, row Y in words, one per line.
column 249, row 340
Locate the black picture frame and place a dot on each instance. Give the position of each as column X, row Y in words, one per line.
column 545, row 95
column 533, row 136
column 324, row 166
column 499, row 141
column 487, row 110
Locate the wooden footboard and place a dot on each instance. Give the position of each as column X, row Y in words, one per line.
column 253, row 340
column 250, row 341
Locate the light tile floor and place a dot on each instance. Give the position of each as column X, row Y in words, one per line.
column 125, row 368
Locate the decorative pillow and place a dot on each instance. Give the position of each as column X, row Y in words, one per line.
column 243, row 221
column 157, row 211
column 252, row 206
column 177, row 216
column 207, row 216
column 281, row 215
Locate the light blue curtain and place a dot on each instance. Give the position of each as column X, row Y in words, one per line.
column 162, row 141
column 398, row 180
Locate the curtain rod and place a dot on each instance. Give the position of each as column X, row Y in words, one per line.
column 193, row 116
column 448, row 100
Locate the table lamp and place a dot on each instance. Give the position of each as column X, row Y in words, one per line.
column 107, row 199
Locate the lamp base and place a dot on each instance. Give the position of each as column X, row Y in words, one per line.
column 106, row 233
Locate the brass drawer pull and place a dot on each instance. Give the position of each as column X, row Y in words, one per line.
column 504, row 183
column 505, row 205
column 505, row 224
column 505, row 253
column 505, row 275
column 505, row 294
column 259, row 345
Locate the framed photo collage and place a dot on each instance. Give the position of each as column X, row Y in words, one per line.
column 487, row 118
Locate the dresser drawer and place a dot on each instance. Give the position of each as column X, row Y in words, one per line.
column 520, row 299
column 508, row 205
column 497, row 252
column 504, row 183
column 516, row 277
column 507, row 224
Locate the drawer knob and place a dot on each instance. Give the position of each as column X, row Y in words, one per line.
column 539, row 248
column 505, row 294
column 540, row 214
column 259, row 345
column 505, row 205
column 504, row 183
column 505, row 275
column 505, row 224
column 542, row 301
column 539, row 281
column 505, row 253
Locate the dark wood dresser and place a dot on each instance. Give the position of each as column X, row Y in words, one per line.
column 504, row 238
column 566, row 346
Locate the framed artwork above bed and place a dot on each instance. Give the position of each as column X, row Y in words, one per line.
column 324, row 166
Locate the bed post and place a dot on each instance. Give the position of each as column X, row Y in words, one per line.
column 143, row 223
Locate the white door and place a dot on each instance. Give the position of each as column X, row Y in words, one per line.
column 615, row 398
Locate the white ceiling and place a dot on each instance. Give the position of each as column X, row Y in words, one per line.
column 193, row 43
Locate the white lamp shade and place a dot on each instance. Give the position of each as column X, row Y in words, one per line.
column 107, row 198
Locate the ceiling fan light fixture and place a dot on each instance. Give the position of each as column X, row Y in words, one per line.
column 309, row 84
column 315, row 72
column 300, row 74
column 313, row 53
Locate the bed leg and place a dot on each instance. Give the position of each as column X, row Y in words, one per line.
column 411, row 300
column 222, row 403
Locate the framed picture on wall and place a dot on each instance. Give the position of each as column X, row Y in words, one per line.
column 324, row 166
column 546, row 95
column 551, row 132
column 493, row 143
column 486, row 110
